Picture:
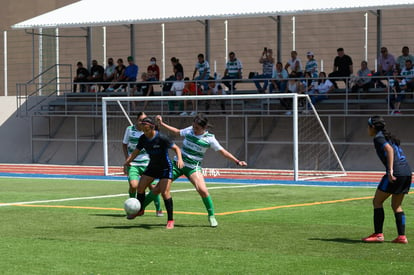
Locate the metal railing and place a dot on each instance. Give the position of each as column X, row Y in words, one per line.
column 341, row 100
column 52, row 81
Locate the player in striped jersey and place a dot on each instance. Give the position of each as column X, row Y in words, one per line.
column 203, row 68
column 233, row 72
column 196, row 142
column 138, row 165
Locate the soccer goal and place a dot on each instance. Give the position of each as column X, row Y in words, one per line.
column 277, row 134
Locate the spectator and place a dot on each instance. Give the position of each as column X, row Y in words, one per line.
column 96, row 74
column 293, row 86
column 325, row 86
column 400, row 63
column 177, row 90
column 131, row 70
column 153, row 71
column 191, row 88
column 408, row 73
column 177, row 67
column 203, row 68
column 279, row 78
column 119, row 75
column 311, row 65
column 81, row 76
column 309, row 84
column 363, row 78
column 109, row 73
column 386, row 65
column 215, row 88
column 232, row 72
column 267, row 62
column 397, row 86
column 143, row 88
column 343, row 67
column 295, row 65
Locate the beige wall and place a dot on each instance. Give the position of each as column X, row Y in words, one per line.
column 322, row 34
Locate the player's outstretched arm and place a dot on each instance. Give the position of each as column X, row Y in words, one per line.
column 164, row 125
column 229, row 156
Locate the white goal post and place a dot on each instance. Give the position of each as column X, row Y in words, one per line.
column 301, row 109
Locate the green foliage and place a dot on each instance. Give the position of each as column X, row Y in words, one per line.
column 284, row 231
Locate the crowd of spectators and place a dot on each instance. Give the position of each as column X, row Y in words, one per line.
column 293, row 77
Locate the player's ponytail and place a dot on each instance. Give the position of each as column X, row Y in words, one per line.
column 379, row 124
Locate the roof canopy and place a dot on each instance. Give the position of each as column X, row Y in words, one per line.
column 87, row 13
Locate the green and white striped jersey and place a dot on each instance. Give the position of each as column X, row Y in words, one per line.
column 194, row 147
column 131, row 137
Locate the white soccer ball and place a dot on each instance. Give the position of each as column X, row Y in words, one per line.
column 132, row 206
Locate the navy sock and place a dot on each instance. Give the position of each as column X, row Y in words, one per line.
column 169, row 207
column 400, row 222
column 378, row 219
column 141, row 198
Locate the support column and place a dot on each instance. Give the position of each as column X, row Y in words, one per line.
column 207, row 39
column 88, row 47
column 132, row 39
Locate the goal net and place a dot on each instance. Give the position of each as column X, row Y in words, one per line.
column 280, row 136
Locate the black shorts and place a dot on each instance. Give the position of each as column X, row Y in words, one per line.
column 159, row 173
column 400, row 186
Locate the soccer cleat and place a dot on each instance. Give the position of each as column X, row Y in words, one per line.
column 374, row 238
column 183, row 114
column 133, row 216
column 212, row 220
column 159, row 213
column 141, row 212
column 170, row 224
column 193, row 113
column 401, row 239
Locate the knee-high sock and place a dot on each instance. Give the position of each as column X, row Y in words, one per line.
column 141, row 198
column 378, row 219
column 400, row 222
column 149, row 198
column 208, row 203
column 157, row 202
column 132, row 194
column 169, row 207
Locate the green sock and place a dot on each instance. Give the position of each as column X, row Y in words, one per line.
column 149, row 198
column 157, row 202
column 133, row 194
column 208, row 202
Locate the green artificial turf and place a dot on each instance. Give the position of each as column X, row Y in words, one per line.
column 262, row 230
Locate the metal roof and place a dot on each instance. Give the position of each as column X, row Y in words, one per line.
column 119, row 12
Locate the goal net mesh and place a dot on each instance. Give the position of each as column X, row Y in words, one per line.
column 280, row 136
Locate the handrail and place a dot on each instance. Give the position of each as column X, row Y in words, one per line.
column 47, row 70
column 23, row 90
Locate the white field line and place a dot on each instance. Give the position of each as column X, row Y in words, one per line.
column 120, row 195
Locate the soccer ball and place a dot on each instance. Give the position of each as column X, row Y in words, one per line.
column 132, row 206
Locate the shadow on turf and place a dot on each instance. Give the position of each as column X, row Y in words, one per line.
column 110, row 215
column 143, row 226
column 337, row 240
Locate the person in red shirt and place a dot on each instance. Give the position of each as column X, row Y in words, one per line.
column 153, row 71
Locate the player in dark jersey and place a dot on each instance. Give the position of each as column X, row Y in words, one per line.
column 395, row 183
column 160, row 166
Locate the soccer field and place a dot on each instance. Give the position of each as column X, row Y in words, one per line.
column 67, row 226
